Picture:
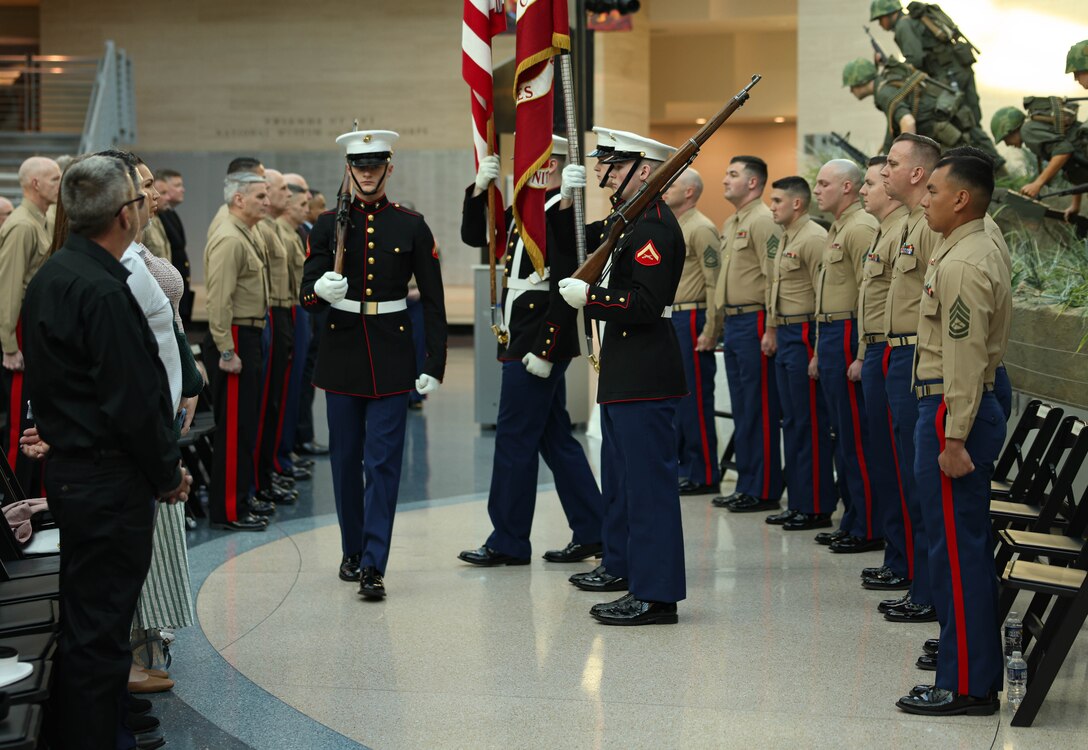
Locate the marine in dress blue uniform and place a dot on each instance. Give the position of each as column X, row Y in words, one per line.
column 533, row 422
column 963, row 331
column 366, row 360
column 641, row 382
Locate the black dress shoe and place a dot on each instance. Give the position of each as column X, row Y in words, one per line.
column 751, row 504
column 371, row 585
column 927, row 662
column 150, row 743
column 931, row 646
column 138, row 706
column 486, row 557
column 780, row 518
column 282, row 481
column 724, row 501
column 632, row 611
column 574, row 553
column 882, row 572
column 276, row 497
column 349, row 567
column 887, row 604
column 258, row 507
column 297, row 473
column 141, row 724
column 912, row 613
column 939, row 702
column 247, row 522
column 599, row 580
column 895, row 583
column 604, row 606
column 311, row 448
column 852, row 544
column 805, row 521
column 305, row 463
column 688, row 487
column 828, row 537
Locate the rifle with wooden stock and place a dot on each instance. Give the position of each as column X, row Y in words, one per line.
column 343, row 218
column 657, row 183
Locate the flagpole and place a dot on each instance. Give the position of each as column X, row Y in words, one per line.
column 496, row 320
column 574, row 153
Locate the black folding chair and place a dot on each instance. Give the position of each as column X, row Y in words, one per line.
column 1020, row 459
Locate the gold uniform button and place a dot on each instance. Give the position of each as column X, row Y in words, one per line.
column 370, row 230
column 551, row 329
column 370, row 277
column 544, row 353
column 624, row 334
column 621, row 299
column 396, row 249
column 370, row 260
column 547, row 341
column 607, row 298
column 593, row 296
column 532, row 305
column 402, row 328
column 369, row 292
column 370, row 244
column 370, row 217
column 332, row 325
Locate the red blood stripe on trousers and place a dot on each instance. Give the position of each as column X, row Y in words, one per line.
column 855, row 423
column 814, row 422
column 699, row 398
column 230, row 494
column 908, row 531
column 761, row 328
column 15, row 403
column 958, row 608
column 265, row 388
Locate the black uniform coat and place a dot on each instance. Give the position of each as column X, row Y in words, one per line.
column 540, row 321
column 373, row 355
column 640, row 357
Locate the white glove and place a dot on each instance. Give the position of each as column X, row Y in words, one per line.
column 574, row 178
column 575, row 292
column 426, row 384
column 331, row 287
column 542, row 368
column 489, row 171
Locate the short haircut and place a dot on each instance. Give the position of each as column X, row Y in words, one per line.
column 976, row 174
column 167, row 174
column 243, row 164
column 31, row 169
column 689, row 177
column 877, row 161
column 316, row 194
column 239, row 183
column 795, row 186
column 976, row 153
column 295, row 189
column 129, row 159
column 93, row 189
column 754, row 166
column 927, row 152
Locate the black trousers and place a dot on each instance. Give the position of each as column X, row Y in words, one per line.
column 236, row 400
column 277, row 370
column 12, row 390
column 105, row 509
column 304, row 433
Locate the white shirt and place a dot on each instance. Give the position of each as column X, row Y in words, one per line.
column 160, row 317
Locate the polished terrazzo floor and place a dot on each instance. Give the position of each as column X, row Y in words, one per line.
column 777, row 646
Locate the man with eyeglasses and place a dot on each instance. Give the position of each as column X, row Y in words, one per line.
column 84, row 337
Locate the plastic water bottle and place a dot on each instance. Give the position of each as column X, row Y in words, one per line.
column 1014, row 631
column 1017, row 679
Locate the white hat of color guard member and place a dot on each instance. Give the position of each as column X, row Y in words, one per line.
column 365, row 148
column 632, row 146
column 560, row 146
column 605, row 143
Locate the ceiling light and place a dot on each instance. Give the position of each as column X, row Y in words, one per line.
column 700, row 121
column 780, row 120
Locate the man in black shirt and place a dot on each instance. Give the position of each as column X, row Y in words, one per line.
column 171, row 187
column 100, row 400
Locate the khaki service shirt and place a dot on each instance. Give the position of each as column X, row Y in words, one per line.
column 217, row 220
column 848, row 241
column 24, row 246
column 796, row 268
column 750, row 243
column 964, row 319
column 155, row 239
column 278, row 263
column 296, row 255
column 701, row 264
column 917, row 246
column 235, row 278
column 876, row 277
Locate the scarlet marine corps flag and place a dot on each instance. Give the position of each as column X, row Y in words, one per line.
column 543, row 30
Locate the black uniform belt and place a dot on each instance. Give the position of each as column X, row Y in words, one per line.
column 731, row 310
column 251, row 322
column 685, row 306
column 937, row 389
column 833, row 317
column 873, row 338
column 789, row 320
column 82, row 454
column 908, row 340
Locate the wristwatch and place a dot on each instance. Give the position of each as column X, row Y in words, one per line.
column 227, row 356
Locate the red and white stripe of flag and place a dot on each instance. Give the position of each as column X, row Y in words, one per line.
column 483, row 20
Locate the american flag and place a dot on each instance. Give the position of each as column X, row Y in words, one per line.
column 483, row 20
